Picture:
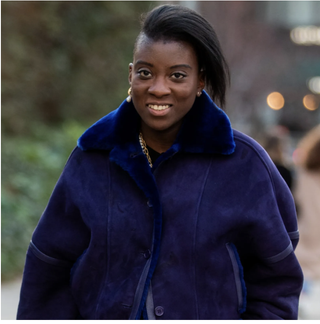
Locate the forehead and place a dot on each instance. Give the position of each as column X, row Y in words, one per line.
column 164, row 51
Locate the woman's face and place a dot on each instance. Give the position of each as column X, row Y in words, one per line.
column 165, row 79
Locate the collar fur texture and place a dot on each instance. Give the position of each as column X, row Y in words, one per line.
column 206, row 129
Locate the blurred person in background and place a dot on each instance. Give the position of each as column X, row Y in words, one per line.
column 163, row 211
column 275, row 143
column 307, row 195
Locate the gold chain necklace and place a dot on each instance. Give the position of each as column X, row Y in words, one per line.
column 144, row 149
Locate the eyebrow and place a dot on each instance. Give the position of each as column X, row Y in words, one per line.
column 181, row 65
column 171, row 67
column 144, row 63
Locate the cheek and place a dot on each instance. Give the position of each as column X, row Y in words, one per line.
column 187, row 96
column 136, row 96
column 187, row 90
column 138, row 89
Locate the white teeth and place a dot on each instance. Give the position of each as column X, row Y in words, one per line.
column 156, row 107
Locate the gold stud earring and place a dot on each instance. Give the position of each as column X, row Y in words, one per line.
column 129, row 95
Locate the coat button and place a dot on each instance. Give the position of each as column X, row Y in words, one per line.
column 149, row 203
column 147, row 254
column 159, row 310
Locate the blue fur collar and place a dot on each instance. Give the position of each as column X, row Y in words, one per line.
column 206, row 129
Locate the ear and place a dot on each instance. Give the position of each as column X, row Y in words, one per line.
column 130, row 73
column 202, row 82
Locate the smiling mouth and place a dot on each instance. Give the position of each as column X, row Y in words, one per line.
column 159, row 107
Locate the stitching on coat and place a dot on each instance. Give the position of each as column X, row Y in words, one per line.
column 195, row 235
column 260, row 157
column 105, row 277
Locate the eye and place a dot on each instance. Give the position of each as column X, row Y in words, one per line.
column 178, row 75
column 144, row 74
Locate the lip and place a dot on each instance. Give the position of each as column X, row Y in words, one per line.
column 159, row 109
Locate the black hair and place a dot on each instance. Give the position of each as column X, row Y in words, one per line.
column 178, row 23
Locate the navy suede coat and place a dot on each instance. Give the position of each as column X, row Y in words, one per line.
column 208, row 233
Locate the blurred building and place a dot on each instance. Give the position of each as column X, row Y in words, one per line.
column 272, row 47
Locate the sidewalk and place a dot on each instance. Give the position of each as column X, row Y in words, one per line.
column 10, row 292
column 309, row 301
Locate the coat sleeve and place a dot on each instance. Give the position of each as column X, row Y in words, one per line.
column 58, row 240
column 272, row 274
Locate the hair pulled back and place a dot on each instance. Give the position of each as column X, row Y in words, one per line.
column 178, row 23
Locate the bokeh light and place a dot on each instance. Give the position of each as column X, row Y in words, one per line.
column 314, row 84
column 310, row 102
column 275, row 100
column 306, row 35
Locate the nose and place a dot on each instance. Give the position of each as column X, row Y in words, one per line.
column 159, row 87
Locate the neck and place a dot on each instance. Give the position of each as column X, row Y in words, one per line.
column 160, row 141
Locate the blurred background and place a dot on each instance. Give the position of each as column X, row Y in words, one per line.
column 65, row 65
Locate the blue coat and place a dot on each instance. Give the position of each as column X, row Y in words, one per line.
column 208, row 233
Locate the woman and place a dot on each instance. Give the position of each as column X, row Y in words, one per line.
column 163, row 211
column 307, row 193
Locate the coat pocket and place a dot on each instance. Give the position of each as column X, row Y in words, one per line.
column 238, row 277
column 48, row 259
column 76, row 265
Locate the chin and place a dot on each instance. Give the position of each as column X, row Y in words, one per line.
column 163, row 126
column 159, row 128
